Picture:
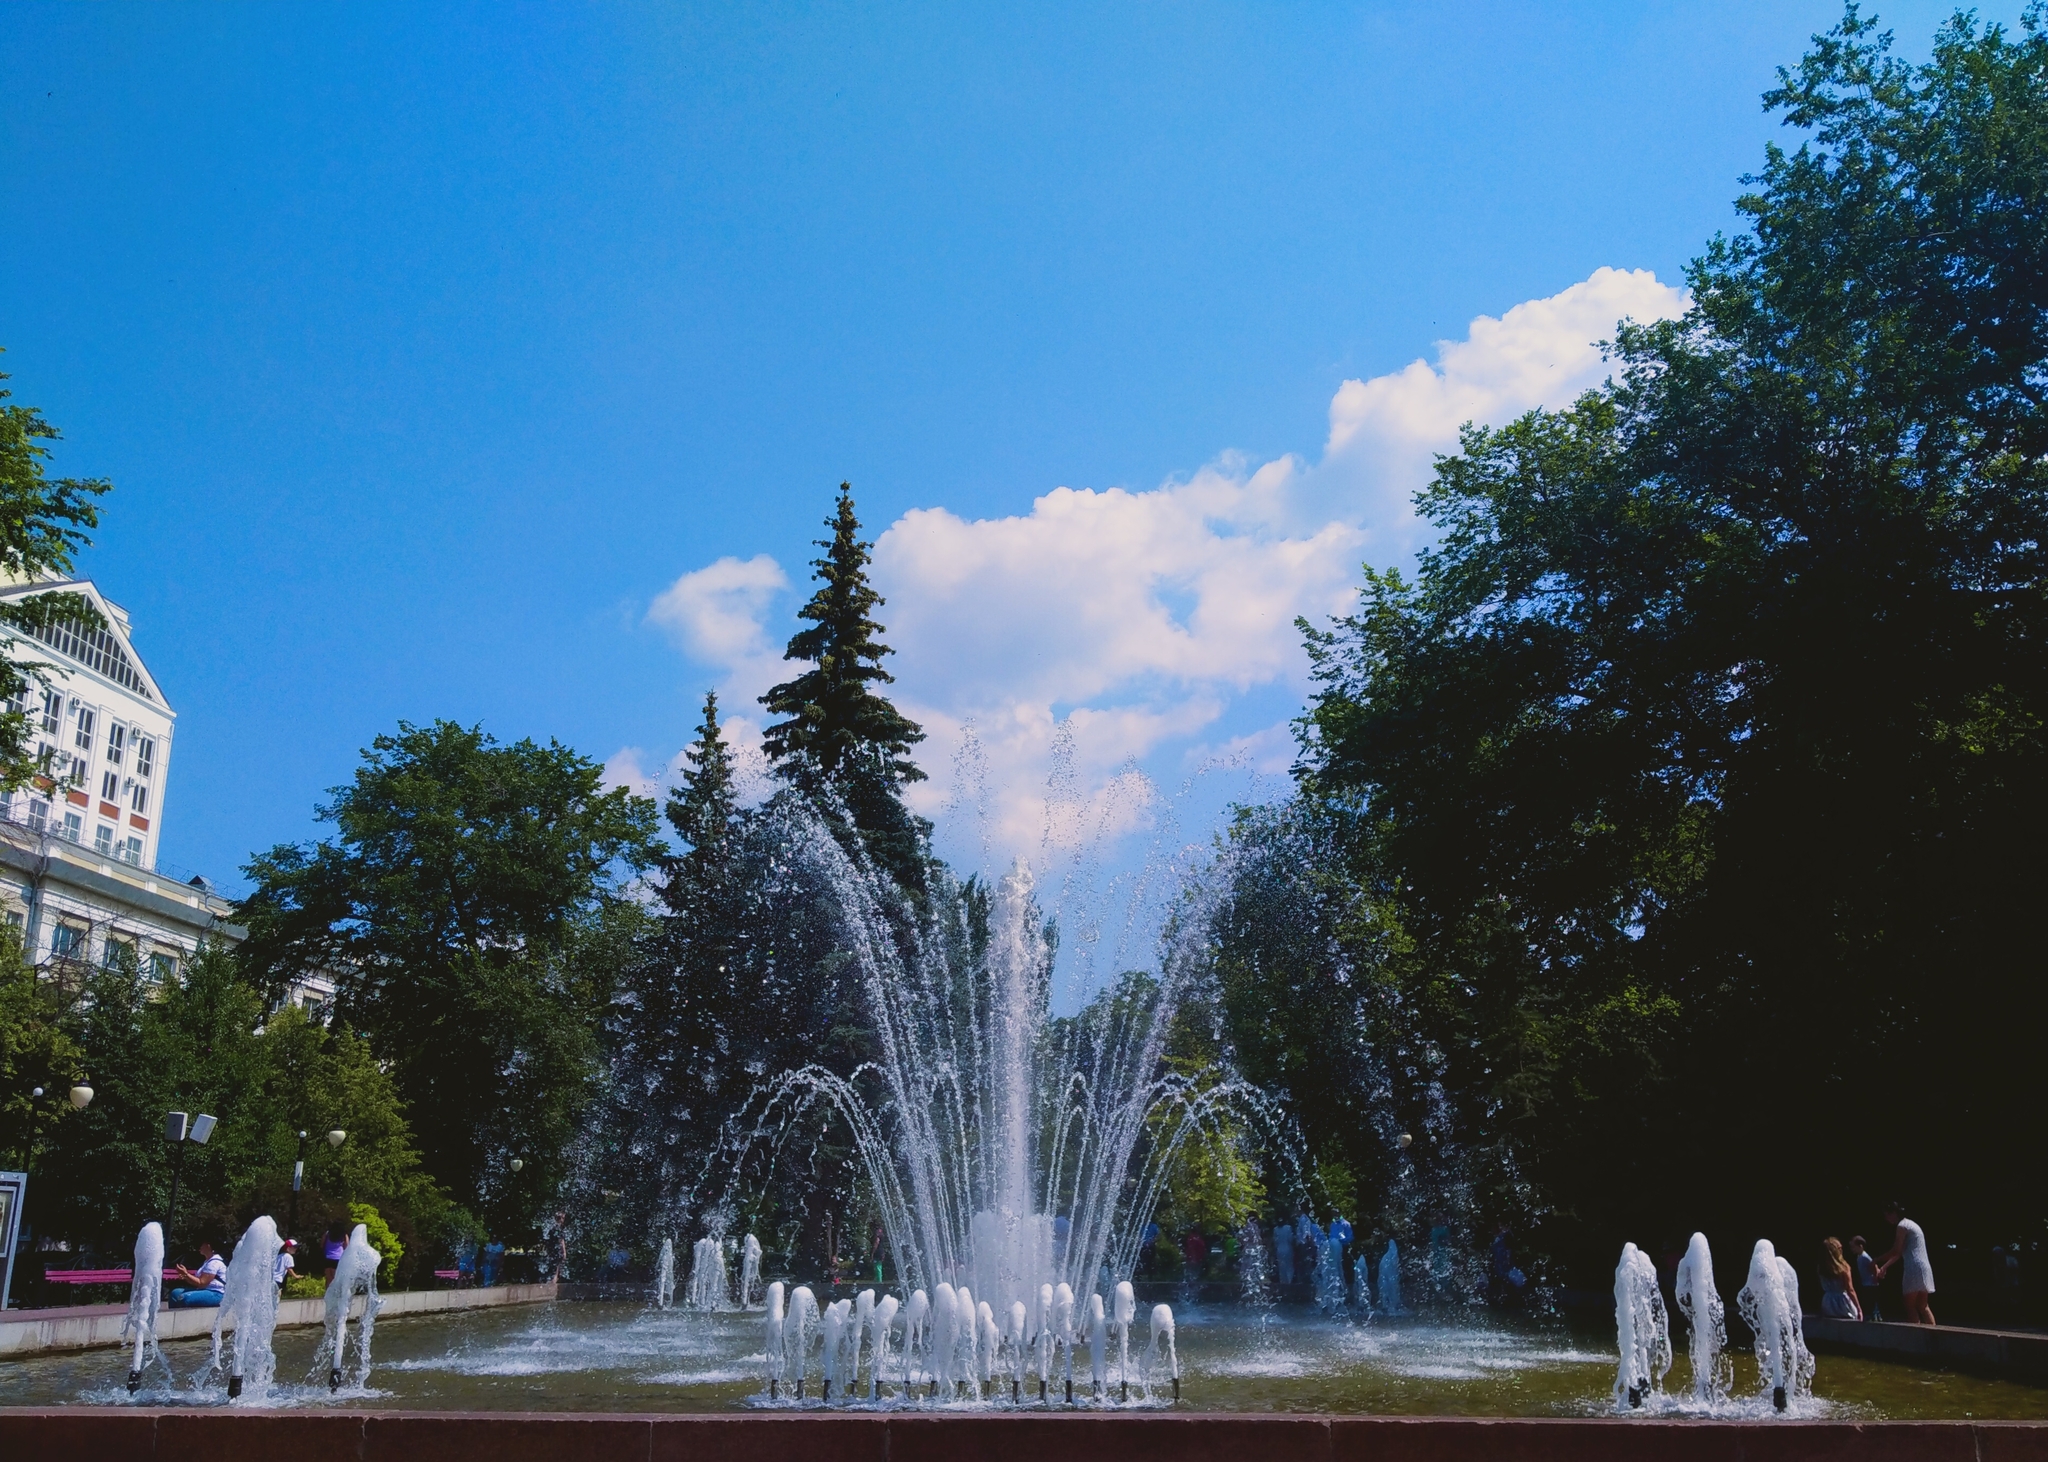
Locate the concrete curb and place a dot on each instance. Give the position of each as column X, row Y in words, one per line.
column 2011, row 1354
column 115, row 1434
column 86, row 1327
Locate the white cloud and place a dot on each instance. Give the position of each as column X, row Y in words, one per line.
column 1119, row 624
column 715, row 613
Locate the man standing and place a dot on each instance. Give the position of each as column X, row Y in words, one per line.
column 1909, row 1255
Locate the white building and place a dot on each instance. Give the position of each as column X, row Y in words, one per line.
column 78, row 848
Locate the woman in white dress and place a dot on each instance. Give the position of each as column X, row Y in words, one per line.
column 1909, row 1255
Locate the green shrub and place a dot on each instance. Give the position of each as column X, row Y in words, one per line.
column 305, row 1287
column 382, row 1239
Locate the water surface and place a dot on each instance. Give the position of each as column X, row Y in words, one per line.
column 615, row 1357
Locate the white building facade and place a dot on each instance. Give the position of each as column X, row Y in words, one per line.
column 78, row 847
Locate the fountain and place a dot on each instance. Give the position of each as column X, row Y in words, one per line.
column 1329, row 1277
column 1126, row 1311
column 665, row 1275
column 750, row 1271
column 708, row 1288
column 1098, row 1343
column 355, row 1273
column 1641, row 1330
column 145, row 1295
column 1390, row 1281
column 1769, row 1303
column 771, row 1344
column 1700, row 1303
column 999, row 1145
column 248, row 1306
column 1160, row 1350
column 796, row 1333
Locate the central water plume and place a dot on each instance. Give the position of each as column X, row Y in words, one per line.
column 354, row 1273
column 1642, row 1332
column 1006, row 1151
column 248, row 1307
column 708, row 1289
column 665, row 1275
column 145, row 1292
column 1700, row 1302
column 1769, row 1302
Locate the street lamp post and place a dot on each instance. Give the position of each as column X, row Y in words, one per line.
column 178, row 1131
column 291, row 1223
column 10, row 1232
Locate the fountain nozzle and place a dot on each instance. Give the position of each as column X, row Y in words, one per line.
column 234, row 1387
column 334, row 1379
column 1070, row 1390
column 134, row 1382
column 1176, row 1388
column 773, row 1387
column 827, row 1394
column 1778, row 1398
column 1635, row 1397
column 1041, row 1388
column 1124, row 1392
column 1013, row 1389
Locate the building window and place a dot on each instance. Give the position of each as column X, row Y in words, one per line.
column 14, row 918
column 103, row 840
column 110, row 787
column 118, row 954
column 139, row 798
column 163, row 967
column 74, row 827
column 131, row 851
column 67, row 941
column 145, row 756
column 38, row 813
column 95, row 648
column 53, row 710
column 82, row 737
column 117, row 737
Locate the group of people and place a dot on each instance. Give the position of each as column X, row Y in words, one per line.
column 207, row 1285
column 1851, row 1282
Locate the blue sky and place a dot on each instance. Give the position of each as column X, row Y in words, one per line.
column 498, row 362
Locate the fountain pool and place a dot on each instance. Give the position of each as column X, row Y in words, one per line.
column 596, row 1356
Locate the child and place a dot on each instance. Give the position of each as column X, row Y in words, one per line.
column 1866, row 1277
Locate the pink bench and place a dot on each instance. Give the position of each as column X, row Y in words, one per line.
column 96, row 1276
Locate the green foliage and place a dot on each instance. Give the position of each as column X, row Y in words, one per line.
column 35, row 1051
column 203, row 1044
column 322, row 1079
column 43, row 522
column 1213, row 1180
column 833, row 714
column 843, row 743
column 304, row 1287
column 470, row 905
column 1689, row 796
column 381, row 1238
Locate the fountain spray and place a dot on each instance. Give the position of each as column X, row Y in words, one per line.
column 1700, row 1302
column 145, row 1293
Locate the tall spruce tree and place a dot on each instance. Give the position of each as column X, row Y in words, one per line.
column 839, row 734
column 702, row 813
column 680, row 1050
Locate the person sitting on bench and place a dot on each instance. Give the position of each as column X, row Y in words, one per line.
column 208, row 1285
